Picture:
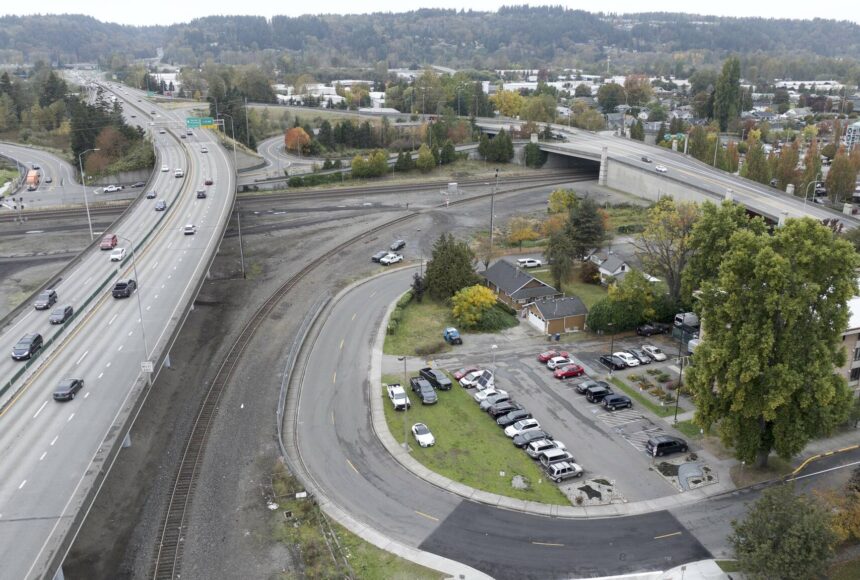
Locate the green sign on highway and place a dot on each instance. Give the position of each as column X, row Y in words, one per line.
column 197, row 122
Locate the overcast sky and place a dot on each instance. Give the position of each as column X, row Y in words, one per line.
column 171, row 11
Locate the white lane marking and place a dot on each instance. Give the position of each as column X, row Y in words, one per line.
column 87, row 394
column 83, row 356
column 169, row 276
column 120, row 348
column 823, row 471
column 87, row 281
column 54, row 440
column 162, row 286
column 107, row 365
column 168, row 245
column 23, row 483
column 40, row 409
column 148, row 307
column 130, row 332
column 153, row 266
column 156, row 296
column 174, row 267
column 43, row 456
column 112, row 319
column 100, row 375
column 72, row 416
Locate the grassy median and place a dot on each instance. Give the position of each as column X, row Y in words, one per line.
column 470, row 448
column 644, row 400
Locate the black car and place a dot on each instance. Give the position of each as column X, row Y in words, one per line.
column 500, row 409
column 612, row 402
column 424, row 390
column 597, row 394
column 639, row 355
column 45, row 299
column 151, row 195
column 138, row 184
column 124, row 288
column 611, row 361
column 67, row 389
column 436, row 378
column 513, row 417
column 649, row 329
column 27, row 346
column 201, row 193
column 646, row 159
column 378, row 256
column 397, row 245
column 583, row 386
column 527, row 437
column 160, row 205
column 665, row 444
column 61, row 314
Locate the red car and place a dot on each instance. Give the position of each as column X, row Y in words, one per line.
column 208, row 181
column 460, row 373
column 545, row 356
column 569, row 371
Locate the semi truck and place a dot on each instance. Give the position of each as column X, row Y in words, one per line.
column 32, row 180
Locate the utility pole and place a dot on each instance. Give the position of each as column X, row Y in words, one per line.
column 247, row 130
column 492, row 215
column 241, row 250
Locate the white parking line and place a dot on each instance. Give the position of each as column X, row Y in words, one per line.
column 107, row 365
column 156, row 296
column 162, row 286
column 83, row 356
column 153, row 266
column 40, row 409
column 87, row 394
column 100, row 375
column 148, row 307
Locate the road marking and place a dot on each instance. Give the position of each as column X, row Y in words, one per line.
column 120, row 348
column 83, row 356
column 72, row 416
column 341, row 343
column 148, row 307
column 667, row 535
column 153, row 266
column 23, row 483
column 100, row 375
column 548, row 544
column 824, row 471
column 130, row 332
column 112, row 319
column 334, row 377
column 428, row 516
column 354, row 315
column 87, row 281
column 332, row 416
column 43, row 456
column 54, row 440
column 351, row 465
column 372, row 294
column 156, row 296
column 107, row 365
column 87, row 394
column 40, row 409
column 162, row 286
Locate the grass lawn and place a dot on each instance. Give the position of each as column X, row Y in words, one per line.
column 744, row 475
column 645, row 400
column 590, row 294
column 470, row 448
column 689, row 429
column 728, row 566
column 626, row 217
column 849, row 570
column 420, row 327
column 371, row 563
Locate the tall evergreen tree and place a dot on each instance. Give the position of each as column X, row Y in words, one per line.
column 450, row 267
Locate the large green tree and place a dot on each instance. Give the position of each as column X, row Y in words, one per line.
column 773, row 319
column 609, row 96
column 727, row 93
column 784, row 536
column 450, row 268
column 841, row 177
column 755, row 167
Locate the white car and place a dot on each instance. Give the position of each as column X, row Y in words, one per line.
column 160, row 131
column 529, row 263
column 481, row 396
column 471, row 379
column 398, row 397
column 558, row 362
column 165, row 168
column 117, row 255
column 390, row 258
column 190, row 229
column 654, row 352
column 179, row 173
column 423, row 435
column 204, row 150
column 112, row 188
column 661, row 169
column 629, row 359
column 521, row 427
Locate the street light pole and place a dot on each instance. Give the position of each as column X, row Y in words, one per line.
column 84, row 188
column 492, row 215
column 233, row 133
column 137, row 293
column 611, row 344
column 680, row 374
column 405, row 407
column 806, row 193
column 241, row 250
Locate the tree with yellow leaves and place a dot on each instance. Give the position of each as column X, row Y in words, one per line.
column 470, row 304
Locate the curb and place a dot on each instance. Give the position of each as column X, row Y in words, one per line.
column 818, row 456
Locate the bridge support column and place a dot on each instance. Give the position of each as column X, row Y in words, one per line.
column 604, row 157
column 59, row 575
column 126, row 441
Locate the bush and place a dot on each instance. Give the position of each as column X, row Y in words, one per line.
column 589, row 273
column 405, row 299
column 505, row 308
column 431, row 348
column 663, row 377
column 495, row 319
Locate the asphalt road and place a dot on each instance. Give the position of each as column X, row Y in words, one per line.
column 341, row 451
column 47, row 448
column 63, row 188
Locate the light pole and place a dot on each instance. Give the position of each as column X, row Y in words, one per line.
column 84, row 188
column 680, row 374
column 492, row 214
column 806, row 193
column 233, row 133
column 405, row 407
column 611, row 344
column 137, row 293
column 241, row 250
column 494, row 348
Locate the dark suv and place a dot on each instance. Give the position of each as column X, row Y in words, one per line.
column 583, row 386
column 665, row 444
column 597, row 393
column 27, row 346
column 124, row 288
column 45, row 299
column 436, row 378
column 61, row 314
column 424, row 390
column 612, row 402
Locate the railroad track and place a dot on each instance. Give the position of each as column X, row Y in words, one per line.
column 168, row 552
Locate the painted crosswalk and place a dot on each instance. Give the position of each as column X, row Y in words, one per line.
column 638, row 438
column 618, row 418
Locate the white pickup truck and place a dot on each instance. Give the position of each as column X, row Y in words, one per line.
column 112, row 188
column 398, row 397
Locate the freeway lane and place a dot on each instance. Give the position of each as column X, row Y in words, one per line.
column 344, row 457
column 47, row 449
column 63, row 187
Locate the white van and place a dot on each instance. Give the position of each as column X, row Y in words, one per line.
column 687, row 319
column 179, row 173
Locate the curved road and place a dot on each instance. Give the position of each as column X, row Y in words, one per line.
column 338, row 446
column 63, row 188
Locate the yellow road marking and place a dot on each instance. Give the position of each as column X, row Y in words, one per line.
column 429, row 517
column 667, row 535
column 548, row 544
column 351, row 465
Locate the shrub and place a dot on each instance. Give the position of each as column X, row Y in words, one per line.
column 405, row 299
column 471, row 304
column 430, row 348
column 663, row 377
column 634, row 378
column 505, row 308
column 589, row 273
column 495, row 319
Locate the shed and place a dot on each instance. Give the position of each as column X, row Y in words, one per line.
column 557, row 315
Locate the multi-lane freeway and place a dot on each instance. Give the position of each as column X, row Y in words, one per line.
column 52, row 453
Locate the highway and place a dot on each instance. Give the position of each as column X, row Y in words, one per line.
column 340, row 449
column 50, row 452
column 63, row 189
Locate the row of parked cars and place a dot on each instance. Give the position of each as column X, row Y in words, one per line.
column 597, row 392
column 518, row 423
column 632, row 357
column 389, row 256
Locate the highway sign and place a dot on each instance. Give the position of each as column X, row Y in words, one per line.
column 147, row 366
column 197, row 122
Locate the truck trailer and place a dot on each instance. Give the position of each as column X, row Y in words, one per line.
column 33, row 179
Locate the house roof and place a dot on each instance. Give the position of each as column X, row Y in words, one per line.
column 531, row 293
column 509, row 278
column 552, row 309
column 611, row 264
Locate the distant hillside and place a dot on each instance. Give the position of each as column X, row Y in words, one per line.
column 513, row 36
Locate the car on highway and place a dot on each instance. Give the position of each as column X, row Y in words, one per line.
column 436, row 378
column 491, row 400
column 117, row 255
column 201, row 192
column 160, row 205
column 597, row 394
column 654, row 352
column 521, row 426
column 208, row 181
column 151, row 195
column 27, row 346
column 582, row 386
column 535, row 448
column 124, row 288
column 397, row 245
column 49, row 179
column 646, row 159
column 45, row 299
column 60, row 314
column 500, row 409
column 189, row 230
column 512, row 417
column 550, row 354
column 108, row 242
column 613, row 402
column 660, row 445
column 661, row 169
column 398, row 397
column 527, row 437
column 67, row 389
column 558, row 362
column 179, row 172
column 482, row 396
column 111, row 188
column 558, row 472
column 161, row 132
column 390, row 258
column 650, row 329
column 629, row 359
column 568, row 372
column 462, row 372
column 639, row 355
column 204, row 149
column 138, row 184
column 424, row 390
column 529, row 263
column 164, row 168
column 423, row 435
column 611, row 361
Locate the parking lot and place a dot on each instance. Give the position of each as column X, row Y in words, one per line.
column 608, row 445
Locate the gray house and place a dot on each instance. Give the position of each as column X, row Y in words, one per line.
column 515, row 287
